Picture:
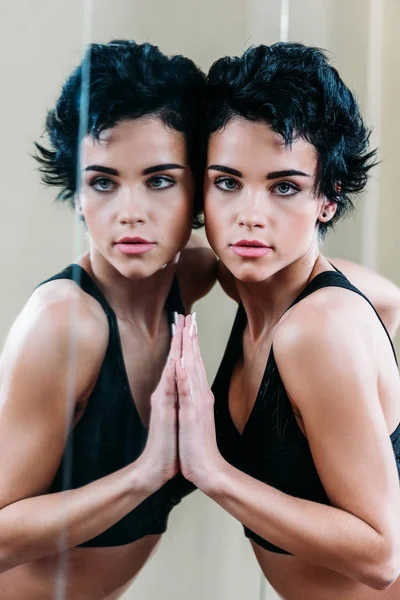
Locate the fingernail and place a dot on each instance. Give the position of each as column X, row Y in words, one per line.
column 173, row 327
column 176, row 315
column 182, row 363
column 194, row 321
column 193, row 324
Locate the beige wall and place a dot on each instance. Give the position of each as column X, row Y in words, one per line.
column 204, row 554
column 389, row 205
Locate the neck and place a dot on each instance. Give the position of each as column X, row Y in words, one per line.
column 138, row 302
column 265, row 302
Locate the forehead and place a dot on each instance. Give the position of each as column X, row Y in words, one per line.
column 142, row 142
column 252, row 146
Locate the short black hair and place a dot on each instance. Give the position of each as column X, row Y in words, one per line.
column 125, row 80
column 294, row 89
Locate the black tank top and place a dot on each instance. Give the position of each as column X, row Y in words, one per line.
column 110, row 434
column 272, row 448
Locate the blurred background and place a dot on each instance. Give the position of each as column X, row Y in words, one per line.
column 204, row 554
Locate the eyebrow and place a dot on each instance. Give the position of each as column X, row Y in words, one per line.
column 101, row 169
column 223, row 169
column 147, row 171
column 286, row 173
column 272, row 175
column 166, row 167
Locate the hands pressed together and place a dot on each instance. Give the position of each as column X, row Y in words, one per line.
column 182, row 430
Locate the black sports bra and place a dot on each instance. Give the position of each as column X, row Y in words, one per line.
column 110, row 434
column 272, row 447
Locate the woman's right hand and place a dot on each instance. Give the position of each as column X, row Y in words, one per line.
column 160, row 456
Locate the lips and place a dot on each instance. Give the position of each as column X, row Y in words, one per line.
column 254, row 243
column 250, row 248
column 133, row 240
column 134, row 245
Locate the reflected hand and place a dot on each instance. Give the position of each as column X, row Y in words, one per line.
column 160, row 456
column 199, row 456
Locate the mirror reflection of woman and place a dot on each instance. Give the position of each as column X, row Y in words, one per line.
column 79, row 518
column 305, row 450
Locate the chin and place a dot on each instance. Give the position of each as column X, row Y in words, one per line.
column 248, row 278
column 136, row 272
column 250, row 275
column 142, row 267
column 251, row 272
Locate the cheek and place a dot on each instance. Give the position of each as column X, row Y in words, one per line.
column 94, row 215
column 182, row 210
column 177, row 219
column 214, row 227
column 301, row 216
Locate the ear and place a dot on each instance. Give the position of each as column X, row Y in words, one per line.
column 327, row 210
column 78, row 206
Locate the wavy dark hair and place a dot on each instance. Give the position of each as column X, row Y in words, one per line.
column 125, row 80
column 294, row 89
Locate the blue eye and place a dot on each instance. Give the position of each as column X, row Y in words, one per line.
column 102, row 184
column 286, row 188
column 160, row 182
column 227, row 184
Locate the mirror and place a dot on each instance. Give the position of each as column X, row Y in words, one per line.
column 203, row 554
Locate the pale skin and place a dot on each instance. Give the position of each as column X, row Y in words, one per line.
column 349, row 391
column 37, row 409
column 40, row 531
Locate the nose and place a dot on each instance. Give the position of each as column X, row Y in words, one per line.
column 132, row 208
column 253, row 211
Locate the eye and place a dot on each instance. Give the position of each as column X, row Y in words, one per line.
column 227, row 184
column 102, row 184
column 286, row 188
column 160, row 182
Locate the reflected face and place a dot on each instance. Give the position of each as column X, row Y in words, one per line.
column 136, row 195
column 260, row 206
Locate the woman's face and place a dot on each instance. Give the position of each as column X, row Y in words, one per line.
column 260, row 207
column 136, row 195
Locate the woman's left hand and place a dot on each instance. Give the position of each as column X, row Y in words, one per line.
column 199, row 457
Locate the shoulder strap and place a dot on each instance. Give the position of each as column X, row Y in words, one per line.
column 79, row 276
column 337, row 279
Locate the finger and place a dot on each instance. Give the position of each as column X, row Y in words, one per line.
column 168, row 379
column 183, row 387
column 192, row 373
column 187, row 344
column 175, row 351
column 198, row 357
column 193, row 324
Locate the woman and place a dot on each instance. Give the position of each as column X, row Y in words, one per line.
column 88, row 475
column 103, row 327
column 306, row 452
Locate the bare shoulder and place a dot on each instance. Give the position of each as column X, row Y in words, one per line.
column 61, row 308
column 197, row 270
column 331, row 320
column 58, row 321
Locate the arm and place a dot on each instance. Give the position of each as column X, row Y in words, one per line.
column 382, row 292
column 197, row 271
column 358, row 535
column 37, row 409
